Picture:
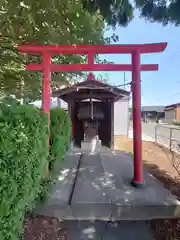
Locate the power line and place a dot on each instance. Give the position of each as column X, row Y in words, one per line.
column 125, row 84
column 170, row 55
column 124, row 79
column 175, row 94
column 128, row 83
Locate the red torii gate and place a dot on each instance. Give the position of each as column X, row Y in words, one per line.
column 47, row 51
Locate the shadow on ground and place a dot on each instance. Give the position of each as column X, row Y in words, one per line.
column 170, row 183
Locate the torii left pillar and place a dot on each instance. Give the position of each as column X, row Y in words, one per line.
column 46, row 84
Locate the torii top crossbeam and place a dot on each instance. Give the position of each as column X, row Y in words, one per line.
column 99, row 49
column 46, row 67
column 91, row 51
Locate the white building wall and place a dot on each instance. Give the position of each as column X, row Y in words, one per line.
column 121, row 117
column 61, row 104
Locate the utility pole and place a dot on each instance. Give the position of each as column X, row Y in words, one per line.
column 124, row 80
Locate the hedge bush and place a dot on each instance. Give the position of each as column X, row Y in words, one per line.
column 176, row 124
column 60, row 132
column 23, row 158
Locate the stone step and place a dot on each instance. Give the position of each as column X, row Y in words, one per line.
column 124, row 230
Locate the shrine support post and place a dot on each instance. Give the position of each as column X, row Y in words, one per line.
column 46, row 84
column 136, row 107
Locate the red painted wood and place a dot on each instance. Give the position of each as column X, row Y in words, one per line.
column 46, row 84
column 101, row 49
column 136, row 104
column 95, row 67
column 91, row 59
column 91, row 76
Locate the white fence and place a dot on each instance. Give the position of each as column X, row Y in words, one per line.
column 168, row 136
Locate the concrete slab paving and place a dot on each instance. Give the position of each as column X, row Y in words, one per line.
column 98, row 187
column 90, row 185
column 128, row 202
column 103, row 191
column 57, row 204
column 124, row 230
column 90, row 197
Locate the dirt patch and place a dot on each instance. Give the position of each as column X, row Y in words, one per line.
column 44, row 228
column 164, row 165
column 166, row 229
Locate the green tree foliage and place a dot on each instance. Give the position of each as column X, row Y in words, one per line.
column 121, row 11
column 162, row 11
column 43, row 22
column 113, row 11
column 24, row 156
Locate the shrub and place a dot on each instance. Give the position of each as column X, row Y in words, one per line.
column 60, row 132
column 23, row 157
column 176, row 123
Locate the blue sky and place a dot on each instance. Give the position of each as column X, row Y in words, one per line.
column 161, row 87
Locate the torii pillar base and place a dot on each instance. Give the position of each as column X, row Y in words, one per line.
column 137, row 184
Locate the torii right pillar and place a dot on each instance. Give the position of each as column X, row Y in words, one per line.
column 138, row 180
column 137, row 131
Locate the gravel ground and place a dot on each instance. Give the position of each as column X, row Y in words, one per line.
column 44, row 228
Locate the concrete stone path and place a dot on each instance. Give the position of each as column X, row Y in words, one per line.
column 93, row 194
column 98, row 187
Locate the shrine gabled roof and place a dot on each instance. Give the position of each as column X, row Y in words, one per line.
column 94, row 86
